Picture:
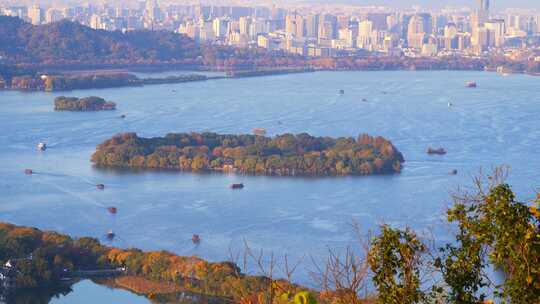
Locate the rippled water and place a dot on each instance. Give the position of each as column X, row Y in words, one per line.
column 494, row 124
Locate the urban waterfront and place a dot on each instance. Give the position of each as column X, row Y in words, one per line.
column 491, row 125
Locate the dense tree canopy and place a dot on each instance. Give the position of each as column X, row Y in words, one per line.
column 67, row 42
column 91, row 103
column 285, row 154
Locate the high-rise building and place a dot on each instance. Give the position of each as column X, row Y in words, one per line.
column 427, row 20
column 498, row 30
column 365, row 29
column 219, row 26
column 190, row 29
column 346, row 35
column 450, row 36
column 391, row 23
column 327, row 27
column 95, row 22
column 53, row 15
column 300, row 27
column 379, row 20
column 35, row 14
column 312, row 26
column 479, row 17
column 415, row 32
column 152, row 13
column 483, row 5
column 244, row 25
column 290, row 24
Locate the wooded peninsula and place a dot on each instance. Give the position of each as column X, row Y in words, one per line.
column 283, row 155
column 33, row 258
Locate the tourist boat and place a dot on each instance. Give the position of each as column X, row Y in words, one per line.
column 450, row 104
column 364, row 100
column 196, row 239
column 42, row 146
column 28, row 171
column 341, row 92
column 453, row 172
column 439, row 151
column 471, row 84
column 237, row 186
column 100, row 186
column 259, row 131
column 112, row 210
column 110, row 235
column 122, row 116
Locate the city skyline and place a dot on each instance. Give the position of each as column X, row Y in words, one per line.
column 315, row 31
column 398, row 4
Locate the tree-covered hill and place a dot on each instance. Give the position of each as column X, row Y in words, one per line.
column 67, row 42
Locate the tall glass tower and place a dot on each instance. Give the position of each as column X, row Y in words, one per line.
column 484, row 5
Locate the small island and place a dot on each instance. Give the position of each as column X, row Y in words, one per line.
column 283, row 155
column 85, row 104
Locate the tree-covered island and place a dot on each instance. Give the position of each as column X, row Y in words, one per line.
column 85, row 104
column 284, row 155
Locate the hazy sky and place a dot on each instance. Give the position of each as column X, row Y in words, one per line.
column 496, row 4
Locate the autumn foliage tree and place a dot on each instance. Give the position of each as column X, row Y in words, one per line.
column 285, row 154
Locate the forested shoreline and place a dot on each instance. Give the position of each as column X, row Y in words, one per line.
column 283, row 155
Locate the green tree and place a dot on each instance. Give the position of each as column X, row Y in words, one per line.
column 395, row 259
column 461, row 264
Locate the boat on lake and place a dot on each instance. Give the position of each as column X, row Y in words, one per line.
column 112, row 210
column 196, row 239
column 100, row 186
column 438, row 151
column 237, row 186
column 471, row 84
column 28, row 171
column 42, row 146
column 110, row 235
column 341, row 92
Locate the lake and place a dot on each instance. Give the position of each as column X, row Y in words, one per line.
column 495, row 124
column 81, row 292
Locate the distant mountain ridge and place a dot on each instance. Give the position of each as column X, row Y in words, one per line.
column 67, row 42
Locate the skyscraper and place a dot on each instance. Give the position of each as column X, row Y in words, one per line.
column 152, row 12
column 479, row 17
column 35, row 13
column 416, row 32
column 290, row 24
column 483, row 5
column 312, row 26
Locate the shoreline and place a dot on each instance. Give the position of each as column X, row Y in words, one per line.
column 185, row 78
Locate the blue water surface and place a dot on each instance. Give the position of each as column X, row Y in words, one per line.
column 495, row 124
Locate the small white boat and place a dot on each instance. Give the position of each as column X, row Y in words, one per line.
column 42, row 146
column 450, row 104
